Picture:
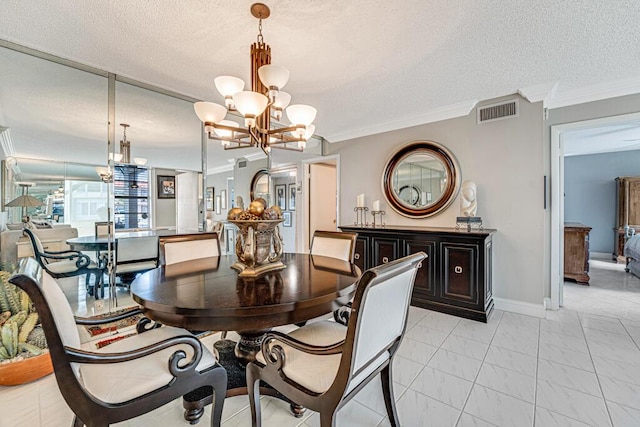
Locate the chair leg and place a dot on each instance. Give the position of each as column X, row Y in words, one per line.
column 389, row 398
column 253, row 387
column 77, row 422
column 328, row 419
column 220, row 392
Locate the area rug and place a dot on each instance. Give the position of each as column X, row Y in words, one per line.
column 94, row 330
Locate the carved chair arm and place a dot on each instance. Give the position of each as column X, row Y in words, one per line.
column 81, row 262
column 83, row 356
column 274, row 353
column 81, row 321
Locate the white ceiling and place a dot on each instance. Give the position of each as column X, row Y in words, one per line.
column 368, row 66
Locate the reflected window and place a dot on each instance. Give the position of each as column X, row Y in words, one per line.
column 131, row 191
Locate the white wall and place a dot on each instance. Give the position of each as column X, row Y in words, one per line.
column 504, row 158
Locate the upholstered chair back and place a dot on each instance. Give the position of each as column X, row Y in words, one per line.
column 187, row 247
column 382, row 315
column 102, row 228
column 137, row 248
column 334, row 244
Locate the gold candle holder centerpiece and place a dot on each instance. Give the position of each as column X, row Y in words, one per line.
column 259, row 244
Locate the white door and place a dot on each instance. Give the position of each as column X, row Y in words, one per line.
column 322, row 197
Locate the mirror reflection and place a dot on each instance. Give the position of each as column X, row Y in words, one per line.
column 421, row 179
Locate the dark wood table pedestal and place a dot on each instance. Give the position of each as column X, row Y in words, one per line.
column 194, row 402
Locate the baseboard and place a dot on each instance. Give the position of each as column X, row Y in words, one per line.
column 601, row 255
column 513, row 306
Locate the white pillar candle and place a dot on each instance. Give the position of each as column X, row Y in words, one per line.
column 376, row 205
column 360, row 201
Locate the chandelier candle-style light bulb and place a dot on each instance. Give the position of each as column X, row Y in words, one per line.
column 228, row 86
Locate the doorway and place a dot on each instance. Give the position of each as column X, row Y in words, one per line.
column 321, row 196
column 559, row 139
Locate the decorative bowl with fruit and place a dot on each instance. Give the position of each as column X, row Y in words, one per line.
column 259, row 245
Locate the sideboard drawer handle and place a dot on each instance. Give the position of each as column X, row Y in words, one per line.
column 457, row 269
column 356, row 256
column 385, row 259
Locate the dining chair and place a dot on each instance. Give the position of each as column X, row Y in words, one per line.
column 323, row 365
column 102, row 228
column 67, row 264
column 135, row 255
column 127, row 378
column 335, row 244
column 188, row 247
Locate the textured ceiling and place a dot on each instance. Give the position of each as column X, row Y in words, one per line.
column 368, row 66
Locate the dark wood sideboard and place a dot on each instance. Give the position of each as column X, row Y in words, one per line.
column 456, row 278
column 576, row 252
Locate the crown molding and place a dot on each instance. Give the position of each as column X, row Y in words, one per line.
column 438, row 114
column 595, row 92
column 541, row 92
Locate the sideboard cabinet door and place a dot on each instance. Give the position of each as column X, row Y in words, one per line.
column 425, row 285
column 384, row 250
column 361, row 255
column 459, row 274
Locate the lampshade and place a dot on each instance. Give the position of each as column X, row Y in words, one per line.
column 24, row 201
column 140, row 161
column 224, row 132
column 309, row 131
column 250, row 105
column 273, row 76
column 305, row 133
column 228, row 85
column 280, row 103
column 209, row 111
column 116, row 157
column 300, row 114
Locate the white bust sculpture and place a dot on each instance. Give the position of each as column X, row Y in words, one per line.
column 468, row 202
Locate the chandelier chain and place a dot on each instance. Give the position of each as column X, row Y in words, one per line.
column 260, row 38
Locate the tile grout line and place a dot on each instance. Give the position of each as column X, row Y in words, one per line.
column 596, row 372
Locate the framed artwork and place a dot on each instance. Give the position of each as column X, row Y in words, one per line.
column 223, row 199
column 166, row 187
column 208, row 199
column 287, row 219
column 281, row 196
column 292, row 197
column 218, row 204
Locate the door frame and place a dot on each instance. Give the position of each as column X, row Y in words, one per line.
column 304, row 240
column 557, row 192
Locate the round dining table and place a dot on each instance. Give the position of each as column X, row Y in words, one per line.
column 208, row 295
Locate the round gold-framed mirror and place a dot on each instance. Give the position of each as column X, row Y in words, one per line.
column 259, row 185
column 421, row 179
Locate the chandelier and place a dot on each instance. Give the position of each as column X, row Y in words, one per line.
column 258, row 106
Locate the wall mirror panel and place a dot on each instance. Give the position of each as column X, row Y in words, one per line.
column 421, row 179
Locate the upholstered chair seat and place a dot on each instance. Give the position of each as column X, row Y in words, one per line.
column 119, row 382
column 323, row 365
column 68, row 266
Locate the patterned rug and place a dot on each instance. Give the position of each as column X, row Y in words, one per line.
column 112, row 331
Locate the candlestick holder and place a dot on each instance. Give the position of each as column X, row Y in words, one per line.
column 381, row 214
column 361, row 216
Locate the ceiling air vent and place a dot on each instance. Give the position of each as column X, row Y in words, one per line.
column 503, row 110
